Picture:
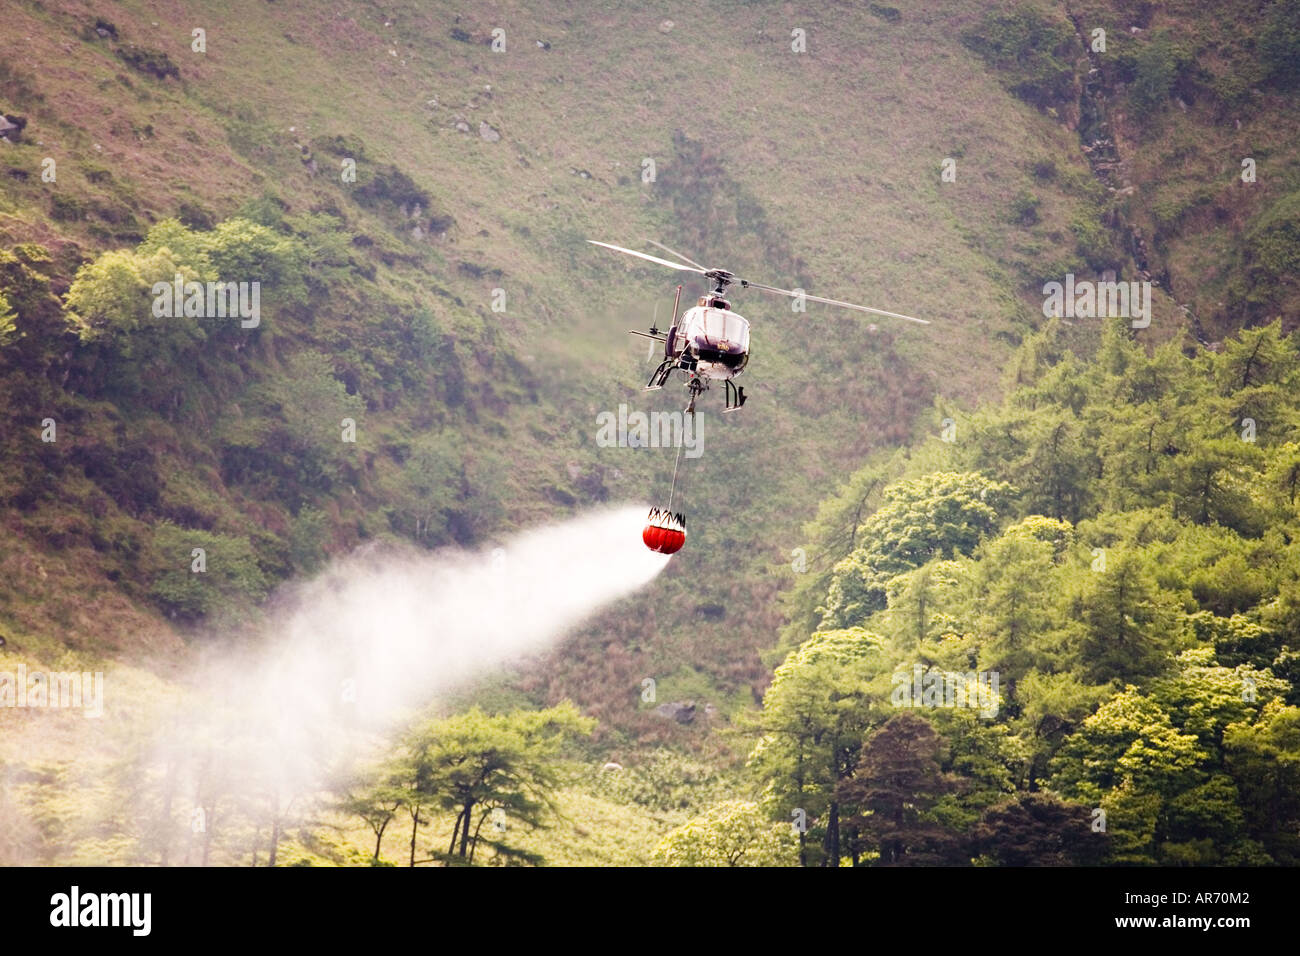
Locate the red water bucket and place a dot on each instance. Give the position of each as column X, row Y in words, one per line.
column 664, row 531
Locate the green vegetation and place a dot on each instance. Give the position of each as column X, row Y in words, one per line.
column 478, row 767
column 1279, row 44
column 1156, row 66
column 936, row 515
column 734, row 833
column 1034, row 52
column 1121, row 558
column 155, row 63
column 1271, row 256
column 236, row 582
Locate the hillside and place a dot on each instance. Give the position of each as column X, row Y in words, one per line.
column 478, row 174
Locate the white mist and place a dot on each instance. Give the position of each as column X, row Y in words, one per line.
column 386, row 633
column 259, row 732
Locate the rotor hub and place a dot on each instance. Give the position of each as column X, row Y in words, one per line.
column 722, row 278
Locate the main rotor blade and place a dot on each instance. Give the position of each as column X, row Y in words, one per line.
column 673, row 252
column 746, row 284
column 648, row 258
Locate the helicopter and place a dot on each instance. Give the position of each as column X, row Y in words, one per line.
column 710, row 341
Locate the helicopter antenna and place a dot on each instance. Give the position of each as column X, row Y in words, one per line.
column 674, row 252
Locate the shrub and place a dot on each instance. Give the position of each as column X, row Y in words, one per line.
column 1279, row 44
column 1024, row 208
column 232, row 579
column 387, row 183
column 1272, row 251
column 8, row 321
column 67, row 208
column 153, row 62
column 1157, row 65
column 1094, row 242
column 1032, row 49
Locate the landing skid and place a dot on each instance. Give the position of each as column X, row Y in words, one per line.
column 660, row 375
column 735, row 396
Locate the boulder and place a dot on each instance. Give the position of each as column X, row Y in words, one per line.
column 11, row 127
column 681, row 711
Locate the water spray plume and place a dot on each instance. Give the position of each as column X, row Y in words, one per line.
column 346, row 656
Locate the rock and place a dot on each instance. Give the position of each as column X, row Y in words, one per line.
column 574, row 469
column 488, row 133
column 543, row 45
column 462, row 126
column 417, row 233
column 681, row 711
column 666, row 26
column 609, row 766
column 11, row 127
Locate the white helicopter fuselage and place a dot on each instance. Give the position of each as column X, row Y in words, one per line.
column 715, row 338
